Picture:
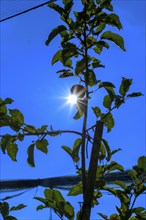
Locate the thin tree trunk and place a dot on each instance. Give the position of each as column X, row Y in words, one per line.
column 91, row 177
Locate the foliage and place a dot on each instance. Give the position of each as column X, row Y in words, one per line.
column 5, row 210
column 83, row 34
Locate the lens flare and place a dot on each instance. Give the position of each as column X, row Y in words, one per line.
column 72, row 99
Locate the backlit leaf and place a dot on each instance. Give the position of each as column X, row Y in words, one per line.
column 76, row 189
column 142, row 162
column 134, row 94
column 117, row 39
column 4, row 209
column 68, row 150
column 103, row 216
column 108, row 150
column 106, row 84
column 91, row 78
column 17, row 116
column 76, row 148
column 125, row 86
column 42, row 145
column 20, row 206
column 121, row 184
column 108, row 121
column 56, row 8
column 96, row 111
column 5, row 140
column 80, row 66
column 8, row 101
column 57, row 56
column 114, row 20
column 107, row 102
column 57, row 196
column 40, row 207
column 78, row 115
column 114, row 166
column 30, row 152
column 12, row 150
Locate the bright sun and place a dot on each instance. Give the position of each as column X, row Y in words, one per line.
column 72, row 99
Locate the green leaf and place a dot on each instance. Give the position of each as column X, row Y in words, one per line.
column 57, row 8
column 8, row 101
column 142, row 163
column 108, row 150
column 68, row 5
column 114, row 217
column 139, row 189
column 121, row 184
column 80, row 66
column 3, row 111
column 114, row 20
column 103, row 216
column 106, row 4
column 30, row 152
column 138, row 210
column 117, row 39
column 40, row 207
column 20, row 136
column 5, row 140
column 12, row 150
column 4, row 209
column 68, row 150
column 106, row 84
column 65, row 73
column 78, row 115
column 134, row 94
column 30, row 129
column 103, row 44
column 76, row 148
column 10, row 218
column 114, row 166
column 42, row 129
column 91, row 78
column 54, row 33
column 42, row 145
column 133, row 174
column 17, row 116
column 102, row 152
column 57, row 196
column 69, row 210
column 100, row 28
column 95, row 62
column 48, row 194
column 107, row 102
column 96, row 111
column 57, row 56
column 115, row 151
column 41, row 199
column 20, row 206
column 125, row 86
column 108, row 121
column 76, row 190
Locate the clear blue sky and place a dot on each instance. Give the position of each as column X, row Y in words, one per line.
column 28, row 78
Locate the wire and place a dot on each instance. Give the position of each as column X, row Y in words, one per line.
column 30, row 9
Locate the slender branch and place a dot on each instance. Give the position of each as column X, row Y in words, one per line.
column 51, row 133
column 133, row 203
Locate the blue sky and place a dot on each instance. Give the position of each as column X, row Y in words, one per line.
column 28, row 77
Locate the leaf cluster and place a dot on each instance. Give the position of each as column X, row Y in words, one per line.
column 54, row 200
column 5, row 210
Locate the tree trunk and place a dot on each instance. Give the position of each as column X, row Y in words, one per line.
column 91, row 177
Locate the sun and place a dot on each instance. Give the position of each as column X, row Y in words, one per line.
column 72, row 99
